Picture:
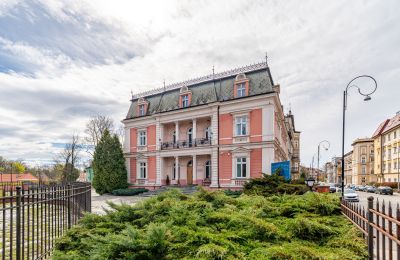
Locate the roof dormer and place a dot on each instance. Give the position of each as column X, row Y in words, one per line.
column 241, row 86
column 141, row 107
column 185, row 97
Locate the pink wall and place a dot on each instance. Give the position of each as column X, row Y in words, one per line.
column 132, row 176
column 168, row 132
column 225, row 123
column 225, row 165
column 201, row 126
column 151, row 161
column 133, row 140
column 151, row 138
column 183, row 128
column 256, row 125
column 256, row 163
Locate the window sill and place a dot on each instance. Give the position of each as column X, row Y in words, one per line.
column 241, row 139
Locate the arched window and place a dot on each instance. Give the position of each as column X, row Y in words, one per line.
column 208, row 133
column 190, row 135
column 208, row 170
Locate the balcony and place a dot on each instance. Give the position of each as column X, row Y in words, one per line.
column 198, row 142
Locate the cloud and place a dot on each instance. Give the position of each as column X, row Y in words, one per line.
column 61, row 62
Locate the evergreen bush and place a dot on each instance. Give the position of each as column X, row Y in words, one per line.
column 109, row 165
column 212, row 225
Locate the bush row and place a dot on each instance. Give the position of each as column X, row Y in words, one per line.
column 129, row 191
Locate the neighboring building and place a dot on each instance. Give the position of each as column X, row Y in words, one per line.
column 337, row 169
column 89, row 174
column 348, row 168
column 294, row 137
column 330, row 172
column 218, row 130
column 363, row 161
column 386, row 150
column 12, row 180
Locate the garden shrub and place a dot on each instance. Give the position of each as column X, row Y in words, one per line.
column 129, row 191
column 212, row 225
column 233, row 193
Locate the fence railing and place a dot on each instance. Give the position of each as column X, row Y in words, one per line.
column 380, row 224
column 31, row 218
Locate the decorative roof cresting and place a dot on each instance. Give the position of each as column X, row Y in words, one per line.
column 220, row 75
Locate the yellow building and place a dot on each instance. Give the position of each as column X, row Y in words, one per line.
column 363, row 161
column 386, row 151
column 348, row 168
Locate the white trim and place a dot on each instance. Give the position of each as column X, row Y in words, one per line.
column 240, row 153
column 138, row 168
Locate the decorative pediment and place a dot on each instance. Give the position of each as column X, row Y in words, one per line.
column 240, row 150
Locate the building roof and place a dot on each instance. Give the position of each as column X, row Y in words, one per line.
column 393, row 123
column 380, row 128
column 362, row 140
column 8, row 177
column 205, row 90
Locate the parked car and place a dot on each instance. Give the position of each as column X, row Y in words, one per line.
column 384, row 190
column 358, row 187
column 351, row 195
column 332, row 188
column 364, row 188
column 371, row 189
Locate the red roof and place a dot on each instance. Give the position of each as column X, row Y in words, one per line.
column 15, row 177
column 380, row 128
column 393, row 123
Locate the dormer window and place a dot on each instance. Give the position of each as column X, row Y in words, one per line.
column 185, row 100
column 142, row 105
column 241, row 86
column 141, row 110
column 241, row 90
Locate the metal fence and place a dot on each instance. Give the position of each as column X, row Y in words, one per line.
column 380, row 224
column 31, row 218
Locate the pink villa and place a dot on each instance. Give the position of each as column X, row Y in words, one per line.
column 217, row 131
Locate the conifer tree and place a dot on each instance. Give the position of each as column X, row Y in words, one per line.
column 109, row 165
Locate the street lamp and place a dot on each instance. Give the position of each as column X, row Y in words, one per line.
column 367, row 98
column 310, row 182
column 326, row 149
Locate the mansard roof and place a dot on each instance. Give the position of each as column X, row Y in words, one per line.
column 205, row 90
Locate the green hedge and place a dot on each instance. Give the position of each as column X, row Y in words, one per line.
column 129, row 192
column 212, row 225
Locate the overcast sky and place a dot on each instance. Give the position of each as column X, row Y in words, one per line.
column 61, row 63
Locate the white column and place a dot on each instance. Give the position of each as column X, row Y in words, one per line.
column 177, row 168
column 194, row 130
column 127, row 140
column 194, row 169
column 177, row 131
column 214, row 127
column 214, row 167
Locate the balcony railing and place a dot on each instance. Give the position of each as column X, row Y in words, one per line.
column 186, row 143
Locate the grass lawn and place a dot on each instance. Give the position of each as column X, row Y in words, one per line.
column 212, row 225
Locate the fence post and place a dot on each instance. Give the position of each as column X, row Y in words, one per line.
column 69, row 205
column 370, row 228
column 18, row 225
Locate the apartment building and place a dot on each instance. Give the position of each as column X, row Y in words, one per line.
column 348, row 168
column 363, row 161
column 218, row 130
column 386, row 150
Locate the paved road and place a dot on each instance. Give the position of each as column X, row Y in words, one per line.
column 394, row 199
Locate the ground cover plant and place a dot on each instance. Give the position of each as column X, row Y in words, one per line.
column 212, row 225
column 129, row 191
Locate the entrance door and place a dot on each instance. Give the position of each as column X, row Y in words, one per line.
column 189, row 173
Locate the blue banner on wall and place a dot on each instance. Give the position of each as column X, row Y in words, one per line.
column 285, row 169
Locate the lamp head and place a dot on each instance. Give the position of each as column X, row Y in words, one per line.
column 367, row 98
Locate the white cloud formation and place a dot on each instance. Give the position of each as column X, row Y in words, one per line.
column 64, row 61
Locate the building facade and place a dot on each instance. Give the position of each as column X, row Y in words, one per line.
column 386, row 150
column 363, row 161
column 218, row 131
column 294, row 137
column 348, row 168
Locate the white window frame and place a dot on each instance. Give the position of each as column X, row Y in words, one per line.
column 141, row 110
column 207, row 133
column 185, row 100
column 242, row 163
column 363, row 170
column 142, row 165
column 207, row 165
column 363, row 159
column 174, row 171
column 241, row 90
column 140, row 136
column 241, row 120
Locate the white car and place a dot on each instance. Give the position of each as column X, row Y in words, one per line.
column 351, row 195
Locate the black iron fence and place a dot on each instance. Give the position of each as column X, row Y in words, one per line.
column 380, row 224
column 32, row 217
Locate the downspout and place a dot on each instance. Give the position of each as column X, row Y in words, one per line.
column 218, row 146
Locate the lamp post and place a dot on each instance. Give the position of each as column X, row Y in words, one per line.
column 367, row 98
column 326, row 149
column 310, row 182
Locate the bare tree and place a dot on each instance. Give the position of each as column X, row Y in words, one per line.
column 69, row 157
column 120, row 132
column 95, row 129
